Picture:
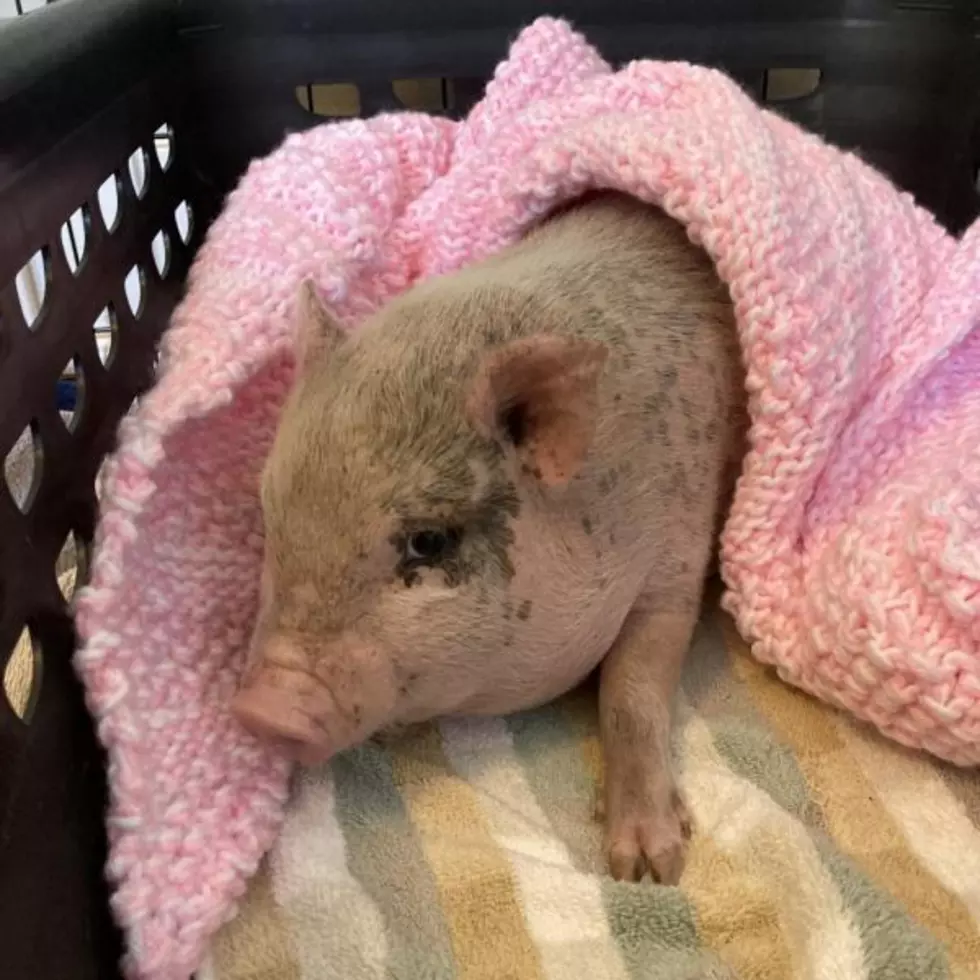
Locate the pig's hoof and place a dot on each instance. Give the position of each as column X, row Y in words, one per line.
column 653, row 841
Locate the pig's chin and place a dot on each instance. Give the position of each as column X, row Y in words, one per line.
column 313, row 756
column 310, row 756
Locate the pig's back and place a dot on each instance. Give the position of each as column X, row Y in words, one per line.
column 671, row 412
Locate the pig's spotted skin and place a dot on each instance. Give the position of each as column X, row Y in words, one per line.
column 378, row 441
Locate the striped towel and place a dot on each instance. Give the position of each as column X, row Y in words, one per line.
column 469, row 849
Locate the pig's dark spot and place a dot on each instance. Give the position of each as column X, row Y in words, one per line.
column 489, row 534
column 687, row 409
column 492, row 452
column 599, row 323
column 677, row 484
column 494, row 334
column 663, row 432
column 693, row 434
column 524, row 610
column 452, row 486
column 657, row 403
column 617, row 398
column 403, row 689
column 608, row 481
column 356, row 712
column 667, row 376
column 410, row 576
column 612, row 537
column 412, row 677
column 711, row 431
column 508, row 640
column 586, row 525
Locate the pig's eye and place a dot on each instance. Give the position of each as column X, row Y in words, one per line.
column 427, row 547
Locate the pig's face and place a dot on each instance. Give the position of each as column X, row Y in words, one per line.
column 402, row 503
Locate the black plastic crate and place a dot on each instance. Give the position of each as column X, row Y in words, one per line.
column 162, row 103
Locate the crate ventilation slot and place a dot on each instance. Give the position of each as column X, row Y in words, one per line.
column 333, row 99
column 70, row 394
column 160, row 249
column 71, row 566
column 109, row 198
column 163, row 146
column 22, row 676
column 135, row 288
column 23, row 467
column 139, row 171
column 790, row 84
column 75, row 238
column 104, row 330
column 340, row 100
column 32, row 287
column 184, row 219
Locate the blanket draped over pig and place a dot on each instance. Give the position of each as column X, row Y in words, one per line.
column 851, row 555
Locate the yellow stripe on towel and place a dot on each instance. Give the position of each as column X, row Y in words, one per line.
column 258, row 945
column 737, row 916
column 564, row 907
column 964, row 784
column 767, row 842
column 474, row 879
column 853, row 815
column 933, row 820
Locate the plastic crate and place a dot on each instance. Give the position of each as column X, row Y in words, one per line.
column 92, row 95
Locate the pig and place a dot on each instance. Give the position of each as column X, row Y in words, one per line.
column 506, row 478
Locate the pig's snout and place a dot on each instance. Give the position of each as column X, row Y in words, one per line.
column 278, row 715
column 285, row 702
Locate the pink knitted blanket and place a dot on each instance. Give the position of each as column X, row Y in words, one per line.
column 851, row 555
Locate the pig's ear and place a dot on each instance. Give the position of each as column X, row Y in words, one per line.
column 540, row 394
column 317, row 332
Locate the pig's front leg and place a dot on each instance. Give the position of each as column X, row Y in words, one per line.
column 646, row 822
